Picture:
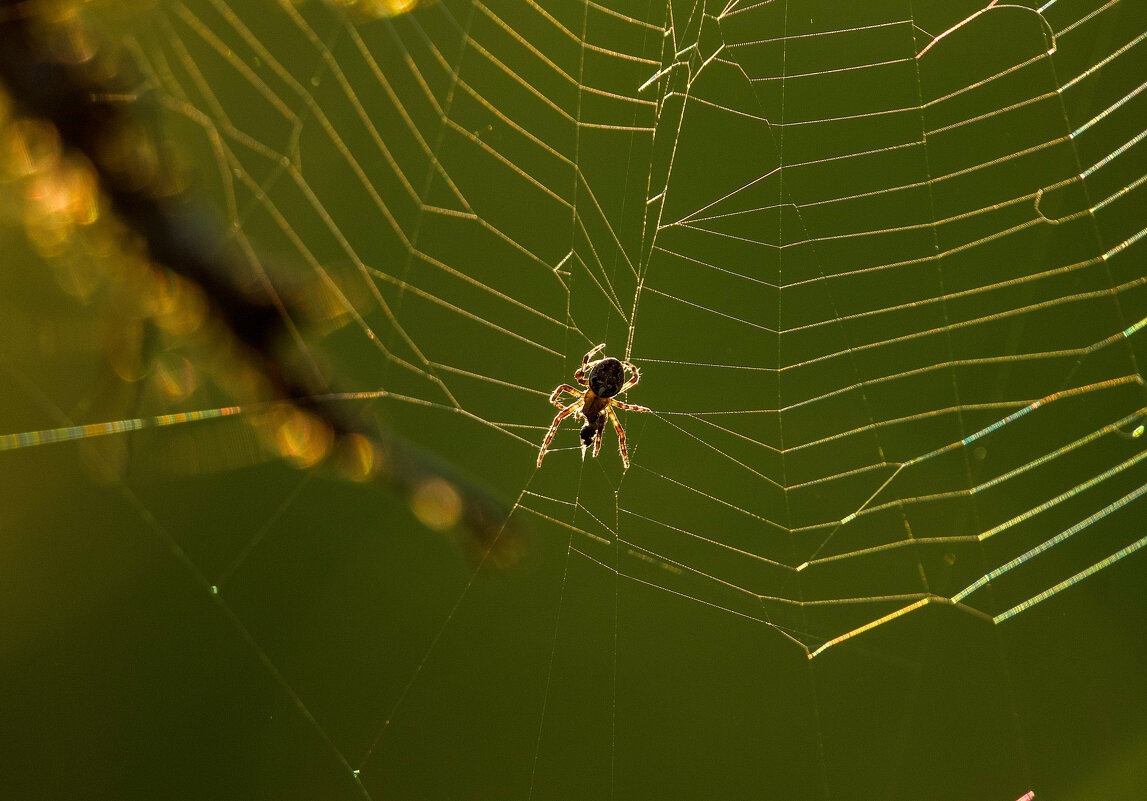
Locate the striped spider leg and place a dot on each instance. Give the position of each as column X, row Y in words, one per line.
column 563, row 414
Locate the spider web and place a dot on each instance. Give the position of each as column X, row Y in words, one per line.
column 881, row 265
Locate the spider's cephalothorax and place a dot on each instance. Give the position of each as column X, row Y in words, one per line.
column 603, row 380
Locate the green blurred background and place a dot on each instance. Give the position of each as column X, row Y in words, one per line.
column 826, row 254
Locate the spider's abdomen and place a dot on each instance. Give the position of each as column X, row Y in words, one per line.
column 606, row 377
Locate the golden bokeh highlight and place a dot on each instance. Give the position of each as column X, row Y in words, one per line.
column 175, row 377
column 58, row 194
column 358, row 459
column 367, row 10
column 437, row 504
column 297, row 436
column 62, row 34
column 57, row 202
column 178, row 306
column 29, row 147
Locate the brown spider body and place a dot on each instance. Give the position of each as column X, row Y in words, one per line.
column 593, row 411
column 603, row 380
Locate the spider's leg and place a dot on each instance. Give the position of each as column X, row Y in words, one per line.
column 564, row 388
column 579, row 374
column 564, row 413
column 620, row 435
column 598, row 436
column 585, row 359
column 629, row 407
column 632, row 382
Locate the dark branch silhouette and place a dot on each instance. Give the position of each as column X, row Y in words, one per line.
column 179, row 234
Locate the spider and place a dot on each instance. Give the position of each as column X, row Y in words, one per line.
column 603, row 380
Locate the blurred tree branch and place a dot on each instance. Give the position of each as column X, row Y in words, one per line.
column 56, row 71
